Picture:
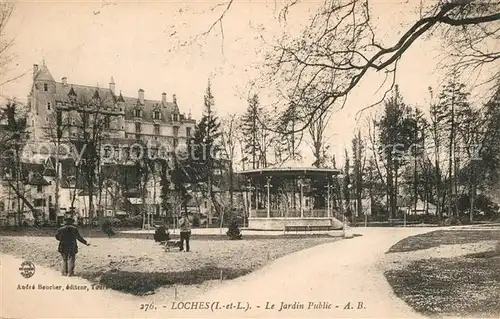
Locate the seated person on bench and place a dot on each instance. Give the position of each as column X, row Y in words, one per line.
column 161, row 234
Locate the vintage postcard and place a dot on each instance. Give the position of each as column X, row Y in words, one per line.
column 263, row 159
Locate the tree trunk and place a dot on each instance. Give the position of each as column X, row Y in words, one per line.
column 231, row 190
column 57, row 181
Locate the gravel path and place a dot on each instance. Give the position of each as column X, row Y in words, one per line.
column 339, row 274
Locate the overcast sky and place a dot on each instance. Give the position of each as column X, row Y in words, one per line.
column 150, row 46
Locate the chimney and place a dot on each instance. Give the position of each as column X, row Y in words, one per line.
column 64, row 81
column 112, row 85
column 35, row 70
column 164, row 98
column 174, row 99
column 141, row 96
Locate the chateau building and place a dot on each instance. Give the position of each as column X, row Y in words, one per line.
column 60, row 110
column 77, row 109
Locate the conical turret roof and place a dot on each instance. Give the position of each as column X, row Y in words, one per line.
column 43, row 74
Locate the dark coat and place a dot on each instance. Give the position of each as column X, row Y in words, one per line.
column 67, row 236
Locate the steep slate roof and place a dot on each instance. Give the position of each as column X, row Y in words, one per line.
column 82, row 91
column 64, row 91
column 32, row 174
column 149, row 106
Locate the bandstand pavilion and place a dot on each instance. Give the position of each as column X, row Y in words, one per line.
column 290, row 196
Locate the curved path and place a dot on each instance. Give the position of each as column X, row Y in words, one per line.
column 340, row 279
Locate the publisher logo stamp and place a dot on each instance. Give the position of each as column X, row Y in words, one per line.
column 27, row 269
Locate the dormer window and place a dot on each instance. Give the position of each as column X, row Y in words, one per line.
column 156, row 115
column 137, row 113
column 45, row 87
column 175, row 117
column 48, row 106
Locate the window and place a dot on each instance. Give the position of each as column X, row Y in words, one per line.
column 137, row 127
column 2, row 206
column 45, row 87
column 39, row 188
column 176, row 142
column 137, row 113
column 188, row 131
column 175, row 117
column 176, row 131
column 137, row 136
column 38, row 202
column 156, row 115
column 107, row 122
column 48, row 106
column 157, row 129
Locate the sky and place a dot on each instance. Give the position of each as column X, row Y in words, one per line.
column 160, row 47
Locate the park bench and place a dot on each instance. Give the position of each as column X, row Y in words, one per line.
column 296, row 229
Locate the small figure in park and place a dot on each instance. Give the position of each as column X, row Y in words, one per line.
column 185, row 227
column 107, row 228
column 234, row 231
column 67, row 236
column 161, row 234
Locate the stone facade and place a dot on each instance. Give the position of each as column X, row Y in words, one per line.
column 155, row 122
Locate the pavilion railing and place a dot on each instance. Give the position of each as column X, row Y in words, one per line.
column 290, row 213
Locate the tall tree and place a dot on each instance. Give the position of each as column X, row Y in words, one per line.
column 13, row 136
column 452, row 99
column 206, row 146
column 396, row 137
column 359, row 163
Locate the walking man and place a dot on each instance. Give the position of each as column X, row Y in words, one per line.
column 185, row 226
column 67, row 236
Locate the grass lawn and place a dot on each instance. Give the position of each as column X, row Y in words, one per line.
column 141, row 266
column 458, row 274
column 444, row 237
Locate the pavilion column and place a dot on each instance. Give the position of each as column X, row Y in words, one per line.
column 328, row 198
column 301, row 199
column 256, row 198
column 249, row 202
column 268, row 198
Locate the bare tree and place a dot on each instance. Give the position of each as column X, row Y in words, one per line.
column 57, row 131
column 228, row 141
column 319, row 144
column 341, row 43
column 92, row 114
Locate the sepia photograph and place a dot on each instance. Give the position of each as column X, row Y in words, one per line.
column 250, row 159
